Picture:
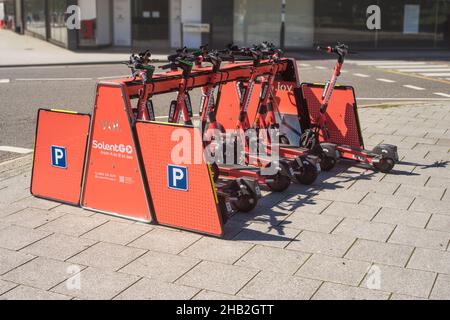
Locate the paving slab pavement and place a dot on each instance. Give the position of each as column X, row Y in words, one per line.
column 24, row 50
column 355, row 234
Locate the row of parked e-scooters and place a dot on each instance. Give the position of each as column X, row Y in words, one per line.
column 257, row 127
column 248, row 144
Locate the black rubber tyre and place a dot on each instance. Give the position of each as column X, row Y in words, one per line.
column 215, row 171
column 223, row 209
column 280, row 183
column 284, row 140
column 385, row 165
column 327, row 163
column 246, row 203
column 309, row 174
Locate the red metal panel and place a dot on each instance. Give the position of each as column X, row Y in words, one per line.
column 228, row 106
column 194, row 208
column 113, row 180
column 285, row 97
column 68, row 133
column 342, row 119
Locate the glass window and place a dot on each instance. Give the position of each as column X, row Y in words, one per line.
column 35, row 16
column 256, row 21
column 299, row 24
column 345, row 21
column 56, row 12
column 404, row 23
column 8, row 14
column 88, row 31
column 442, row 36
column 407, row 23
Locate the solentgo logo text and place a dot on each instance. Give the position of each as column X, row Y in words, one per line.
column 112, row 147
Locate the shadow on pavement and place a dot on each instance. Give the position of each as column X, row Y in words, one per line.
column 273, row 209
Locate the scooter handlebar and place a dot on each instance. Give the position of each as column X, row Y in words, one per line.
column 340, row 49
column 325, row 49
column 169, row 66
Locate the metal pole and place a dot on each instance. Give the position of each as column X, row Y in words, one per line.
column 283, row 19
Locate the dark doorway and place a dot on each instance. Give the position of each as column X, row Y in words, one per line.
column 150, row 23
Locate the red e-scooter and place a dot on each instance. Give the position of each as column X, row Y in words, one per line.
column 141, row 68
column 303, row 164
column 317, row 138
column 242, row 191
column 212, row 130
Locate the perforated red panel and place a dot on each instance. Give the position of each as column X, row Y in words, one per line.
column 67, row 132
column 228, row 107
column 193, row 208
column 113, row 181
column 285, row 97
column 342, row 118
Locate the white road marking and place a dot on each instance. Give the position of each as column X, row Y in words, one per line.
column 383, row 62
column 386, row 80
column 424, row 70
column 15, row 149
column 304, row 64
column 54, row 79
column 404, row 99
column 437, row 74
column 409, row 86
column 113, row 77
column 408, row 66
column 362, row 75
column 5, row 81
column 423, row 65
column 320, row 67
column 442, row 94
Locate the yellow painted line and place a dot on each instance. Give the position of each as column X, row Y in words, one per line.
column 414, row 76
column 170, row 123
column 64, row 111
column 211, row 177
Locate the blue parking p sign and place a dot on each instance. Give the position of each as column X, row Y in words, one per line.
column 59, row 159
column 177, row 177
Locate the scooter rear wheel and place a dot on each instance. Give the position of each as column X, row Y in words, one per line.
column 309, row 173
column 385, row 165
column 327, row 163
column 246, row 203
column 280, row 183
column 284, row 140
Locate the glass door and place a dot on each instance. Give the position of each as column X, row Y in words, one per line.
column 150, row 23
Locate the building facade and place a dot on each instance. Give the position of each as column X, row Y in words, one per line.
column 163, row 24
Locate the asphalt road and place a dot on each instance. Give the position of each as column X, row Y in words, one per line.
column 26, row 89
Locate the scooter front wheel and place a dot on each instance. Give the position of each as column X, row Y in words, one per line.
column 327, row 163
column 309, row 173
column 385, row 165
column 246, row 203
column 280, row 183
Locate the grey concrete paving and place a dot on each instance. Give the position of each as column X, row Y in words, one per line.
column 24, row 50
column 354, row 234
